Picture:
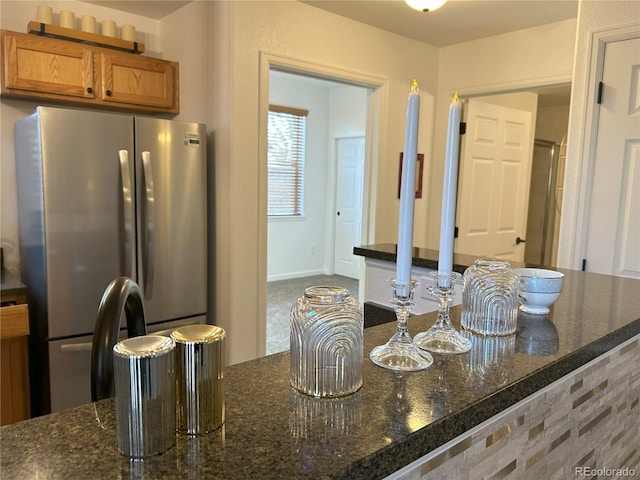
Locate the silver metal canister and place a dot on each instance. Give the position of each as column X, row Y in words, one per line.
column 144, row 372
column 199, row 378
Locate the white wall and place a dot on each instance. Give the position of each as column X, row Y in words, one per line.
column 299, row 247
column 513, row 61
column 348, row 118
column 183, row 37
column 593, row 17
column 552, row 123
column 296, row 246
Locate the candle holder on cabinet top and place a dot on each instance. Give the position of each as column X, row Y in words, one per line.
column 400, row 353
column 442, row 337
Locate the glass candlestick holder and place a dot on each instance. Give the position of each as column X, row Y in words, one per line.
column 442, row 337
column 400, row 353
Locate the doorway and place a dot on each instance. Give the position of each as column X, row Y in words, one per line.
column 494, row 179
column 542, row 231
column 305, row 245
column 549, row 107
column 370, row 91
column 348, row 217
column 613, row 223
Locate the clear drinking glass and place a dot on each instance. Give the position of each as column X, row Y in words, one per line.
column 490, row 298
column 326, row 342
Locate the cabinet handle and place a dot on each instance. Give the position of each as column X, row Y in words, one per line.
column 108, row 92
column 89, row 90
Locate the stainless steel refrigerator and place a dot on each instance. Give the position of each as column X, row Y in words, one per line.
column 103, row 195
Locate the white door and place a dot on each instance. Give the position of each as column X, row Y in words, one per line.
column 613, row 239
column 348, row 217
column 493, row 189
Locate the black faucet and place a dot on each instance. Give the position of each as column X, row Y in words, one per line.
column 122, row 295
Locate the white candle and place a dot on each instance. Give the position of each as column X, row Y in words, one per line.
column 88, row 23
column 449, row 190
column 44, row 14
column 407, row 189
column 67, row 19
column 129, row 33
column 108, row 28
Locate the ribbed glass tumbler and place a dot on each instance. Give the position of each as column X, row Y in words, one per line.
column 490, row 298
column 326, row 342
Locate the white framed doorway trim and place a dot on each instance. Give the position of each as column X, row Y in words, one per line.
column 574, row 225
column 375, row 124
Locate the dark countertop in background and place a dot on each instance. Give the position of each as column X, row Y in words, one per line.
column 421, row 257
column 11, row 288
column 273, row 432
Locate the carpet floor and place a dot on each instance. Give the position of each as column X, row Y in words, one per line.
column 282, row 294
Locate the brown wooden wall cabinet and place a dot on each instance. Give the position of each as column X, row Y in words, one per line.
column 14, row 360
column 35, row 66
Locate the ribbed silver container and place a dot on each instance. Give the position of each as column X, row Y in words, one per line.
column 199, row 378
column 144, row 372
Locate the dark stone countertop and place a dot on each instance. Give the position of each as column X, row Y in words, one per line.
column 421, row 257
column 10, row 286
column 272, row 432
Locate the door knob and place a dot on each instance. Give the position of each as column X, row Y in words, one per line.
column 338, row 213
column 520, row 240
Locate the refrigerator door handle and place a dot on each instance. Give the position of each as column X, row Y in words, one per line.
column 149, row 226
column 126, row 265
column 76, row 347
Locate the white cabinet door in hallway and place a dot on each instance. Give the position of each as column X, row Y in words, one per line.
column 493, row 192
column 613, row 238
column 348, row 215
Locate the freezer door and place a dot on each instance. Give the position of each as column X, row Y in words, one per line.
column 73, row 187
column 70, row 372
column 171, row 172
column 70, row 365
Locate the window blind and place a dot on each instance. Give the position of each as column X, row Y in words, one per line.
column 286, row 143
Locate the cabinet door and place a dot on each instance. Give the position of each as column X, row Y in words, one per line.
column 14, row 360
column 42, row 66
column 135, row 80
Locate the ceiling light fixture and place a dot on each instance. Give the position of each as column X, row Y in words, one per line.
column 425, row 5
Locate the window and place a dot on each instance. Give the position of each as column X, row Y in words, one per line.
column 286, row 139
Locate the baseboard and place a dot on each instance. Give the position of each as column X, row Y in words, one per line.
column 292, row 275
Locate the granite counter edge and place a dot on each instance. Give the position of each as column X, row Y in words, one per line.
column 418, row 444
column 422, row 262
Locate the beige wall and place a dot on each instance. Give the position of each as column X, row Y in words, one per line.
column 514, row 61
column 300, row 32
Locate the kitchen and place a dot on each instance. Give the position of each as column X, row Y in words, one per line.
column 227, row 99
column 206, row 97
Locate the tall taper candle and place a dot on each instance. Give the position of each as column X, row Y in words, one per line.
column 449, row 190
column 407, row 188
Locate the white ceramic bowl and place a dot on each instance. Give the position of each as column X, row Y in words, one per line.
column 538, row 303
column 539, row 289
